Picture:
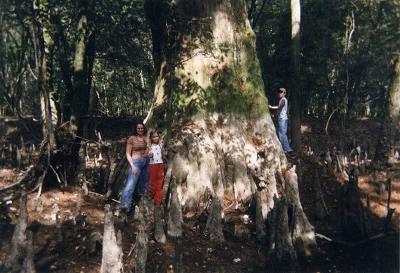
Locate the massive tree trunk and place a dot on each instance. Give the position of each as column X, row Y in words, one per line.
column 209, row 95
column 209, row 99
column 295, row 84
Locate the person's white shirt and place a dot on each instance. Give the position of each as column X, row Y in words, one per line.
column 156, row 149
column 283, row 108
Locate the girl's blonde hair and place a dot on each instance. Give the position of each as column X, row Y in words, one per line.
column 152, row 133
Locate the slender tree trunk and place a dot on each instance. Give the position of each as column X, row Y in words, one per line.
column 83, row 60
column 65, row 66
column 81, row 79
column 295, row 93
column 388, row 143
column 393, row 123
column 350, row 28
column 44, row 44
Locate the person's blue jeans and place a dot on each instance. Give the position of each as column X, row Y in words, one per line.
column 140, row 180
column 282, row 135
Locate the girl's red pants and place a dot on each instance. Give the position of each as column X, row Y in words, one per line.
column 156, row 178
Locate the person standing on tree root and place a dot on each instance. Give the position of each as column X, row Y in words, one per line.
column 137, row 154
column 156, row 168
column 156, row 175
column 282, row 119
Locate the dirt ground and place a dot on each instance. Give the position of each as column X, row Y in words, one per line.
column 71, row 254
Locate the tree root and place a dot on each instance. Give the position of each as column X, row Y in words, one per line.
column 21, row 254
column 214, row 221
column 112, row 251
column 281, row 255
column 302, row 231
column 142, row 238
column 175, row 212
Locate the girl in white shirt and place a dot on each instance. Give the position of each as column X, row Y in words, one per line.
column 156, row 168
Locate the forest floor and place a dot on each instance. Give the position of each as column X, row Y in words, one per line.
column 237, row 254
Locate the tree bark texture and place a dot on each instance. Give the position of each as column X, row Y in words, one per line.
column 112, row 249
column 261, row 215
column 302, row 231
column 214, row 221
column 159, row 233
column 82, row 66
column 209, row 101
column 295, row 93
column 281, row 254
column 320, row 206
column 174, row 212
column 209, row 95
column 19, row 241
column 142, row 237
column 352, row 210
column 44, row 47
column 29, row 266
column 394, row 111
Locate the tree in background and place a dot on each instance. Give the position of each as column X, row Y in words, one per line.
column 325, row 75
column 55, row 64
column 388, row 142
column 295, row 83
column 394, row 110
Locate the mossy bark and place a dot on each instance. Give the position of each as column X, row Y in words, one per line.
column 209, row 101
column 209, row 94
column 206, row 58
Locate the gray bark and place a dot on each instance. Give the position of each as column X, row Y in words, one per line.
column 112, row 252
column 29, row 266
column 394, row 113
column 214, row 221
column 320, row 206
column 19, row 238
column 282, row 255
column 159, row 233
column 261, row 215
column 142, row 237
column 351, row 210
column 302, row 231
column 174, row 212
column 209, row 100
column 296, row 83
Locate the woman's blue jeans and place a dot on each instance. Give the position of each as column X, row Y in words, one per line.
column 140, row 180
column 282, row 135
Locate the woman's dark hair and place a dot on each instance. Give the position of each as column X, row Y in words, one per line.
column 135, row 133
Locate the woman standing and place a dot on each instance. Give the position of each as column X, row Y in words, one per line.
column 137, row 155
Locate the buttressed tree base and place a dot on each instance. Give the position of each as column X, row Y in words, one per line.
column 209, row 100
